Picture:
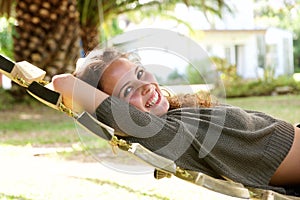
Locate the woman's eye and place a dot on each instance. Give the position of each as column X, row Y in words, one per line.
column 140, row 73
column 127, row 91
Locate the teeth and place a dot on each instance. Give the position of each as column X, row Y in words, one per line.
column 153, row 101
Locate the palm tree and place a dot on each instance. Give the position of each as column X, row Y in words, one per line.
column 48, row 33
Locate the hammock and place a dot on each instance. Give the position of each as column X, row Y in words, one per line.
column 32, row 78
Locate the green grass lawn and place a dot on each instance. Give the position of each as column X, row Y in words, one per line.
column 286, row 107
column 36, row 124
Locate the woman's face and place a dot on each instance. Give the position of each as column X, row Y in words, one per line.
column 133, row 84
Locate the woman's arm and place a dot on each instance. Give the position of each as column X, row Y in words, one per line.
column 114, row 112
column 77, row 92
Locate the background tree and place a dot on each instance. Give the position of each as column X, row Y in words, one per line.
column 283, row 14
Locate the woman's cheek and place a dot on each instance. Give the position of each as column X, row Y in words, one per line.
column 137, row 102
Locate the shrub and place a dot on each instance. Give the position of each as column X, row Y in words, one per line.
column 245, row 88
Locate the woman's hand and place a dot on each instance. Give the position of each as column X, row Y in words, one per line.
column 76, row 92
column 64, row 84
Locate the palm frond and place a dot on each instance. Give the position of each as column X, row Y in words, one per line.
column 136, row 7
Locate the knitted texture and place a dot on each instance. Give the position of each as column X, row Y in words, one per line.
column 244, row 146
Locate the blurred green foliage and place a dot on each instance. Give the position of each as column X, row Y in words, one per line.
column 6, row 36
column 228, row 71
column 284, row 15
column 236, row 86
column 6, row 100
column 261, row 87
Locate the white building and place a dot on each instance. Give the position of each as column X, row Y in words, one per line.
column 252, row 50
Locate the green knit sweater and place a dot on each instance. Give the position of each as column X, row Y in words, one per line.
column 244, row 146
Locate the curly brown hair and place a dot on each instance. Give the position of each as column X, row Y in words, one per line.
column 199, row 99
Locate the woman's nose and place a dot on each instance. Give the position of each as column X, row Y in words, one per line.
column 146, row 88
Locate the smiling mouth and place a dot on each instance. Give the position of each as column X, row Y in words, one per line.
column 154, row 99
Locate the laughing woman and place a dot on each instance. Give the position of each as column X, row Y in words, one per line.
column 248, row 147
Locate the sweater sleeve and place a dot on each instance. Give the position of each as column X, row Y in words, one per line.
column 125, row 118
column 163, row 135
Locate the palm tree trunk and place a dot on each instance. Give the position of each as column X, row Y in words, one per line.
column 90, row 36
column 47, row 34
